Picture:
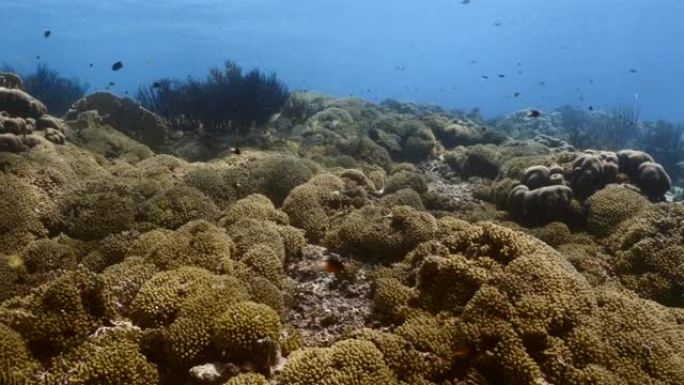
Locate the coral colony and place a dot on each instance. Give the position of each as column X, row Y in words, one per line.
column 227, row 231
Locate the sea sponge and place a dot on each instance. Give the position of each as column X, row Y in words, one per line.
column 177, row 206
column 97, row 208
column 246, row 331
column 310, row 206
column 255, row 206
column 248, row 379
column 609, row 207
column 197, row 243
column 380, row 232
column 346, row 362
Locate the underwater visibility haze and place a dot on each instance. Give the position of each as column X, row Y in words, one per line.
column 453, row 192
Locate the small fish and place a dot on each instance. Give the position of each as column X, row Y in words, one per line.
column 591, row 81
column 518, row 64
column 156, row 85
column 236, row 150
column 516, row 94
column 502, row 76
column 91, row 65
column 38, row 57
column 47, row 33
column 333, row 265
column 591, row 108
column 473, row 61
column 465, row 2
column 533, row 113
column 633, row 70
column 117, row 66
column 111, row 84
column 126, row 92
column 542, row 83
column 463, row 353
column 484, row 77
column 497, row 24
column 519, row 72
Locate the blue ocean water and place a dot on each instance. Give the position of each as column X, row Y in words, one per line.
column 552, row 53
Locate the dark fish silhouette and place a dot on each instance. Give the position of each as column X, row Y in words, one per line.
column 47, row 33
column 542, row 83
column 91, row 65
column 497, row 24
column 516, row 94
column 633, row 70
column 117, row 66
column 333, row 265
column 591, row 108
column 38, row 57
column 502, row 76
column 111, row 84
column 464, row 2
column 156, row 85
column 533, row 113
column 236, row 150
column 484, row 77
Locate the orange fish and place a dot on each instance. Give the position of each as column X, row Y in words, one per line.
column 333, row 265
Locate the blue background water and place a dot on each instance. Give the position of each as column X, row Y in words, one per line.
column 421, row 51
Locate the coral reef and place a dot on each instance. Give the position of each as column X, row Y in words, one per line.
column 360, row 244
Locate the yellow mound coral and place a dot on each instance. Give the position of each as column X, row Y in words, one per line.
column 19, row 221
column 177, row 206
column 115, row 363
column 56, row 316
column 247, row 331
column 311, row 205
column 373, row 232
column 97, row 208
column 255, row 206
column 158, row 301
column 346, row 362
column 197, row 243
column 15, row 357
column 611, row 206
column 248, row 379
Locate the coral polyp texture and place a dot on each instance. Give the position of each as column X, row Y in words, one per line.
column 356, row 244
